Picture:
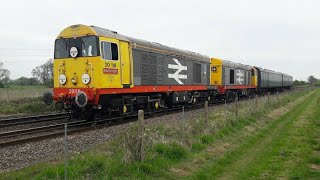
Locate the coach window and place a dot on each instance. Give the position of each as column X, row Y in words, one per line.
column 109, row 51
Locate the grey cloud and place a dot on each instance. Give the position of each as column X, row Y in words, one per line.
column 279, row 35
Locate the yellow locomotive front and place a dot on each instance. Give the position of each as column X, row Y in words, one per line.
column 87, row 62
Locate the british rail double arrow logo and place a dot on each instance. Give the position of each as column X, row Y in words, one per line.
column 240, row 77
column 177, row 76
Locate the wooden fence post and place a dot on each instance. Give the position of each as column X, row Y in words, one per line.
column 225, row 111
column 141, row 134
column 206, row 109
column 237, row 107
column 182, row 113
column 65, row 151
column 182, row 124
column 257, row 101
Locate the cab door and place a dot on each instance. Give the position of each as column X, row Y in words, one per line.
column 125, row 64
column 108, row 72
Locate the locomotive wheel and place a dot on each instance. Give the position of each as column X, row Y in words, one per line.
column 59, row 106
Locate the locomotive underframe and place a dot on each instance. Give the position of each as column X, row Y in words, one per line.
column 117, row 105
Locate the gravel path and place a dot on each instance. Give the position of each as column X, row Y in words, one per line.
column 19, row 156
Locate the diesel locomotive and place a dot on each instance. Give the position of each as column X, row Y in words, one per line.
column 100, row 72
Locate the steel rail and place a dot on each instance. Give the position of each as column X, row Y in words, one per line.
column 39, row 133
column 32, row 119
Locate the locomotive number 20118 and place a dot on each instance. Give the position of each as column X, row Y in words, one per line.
column 113, row 65
column 74, row 91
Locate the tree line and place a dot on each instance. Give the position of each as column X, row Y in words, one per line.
column 313, row 81
column 43, row 75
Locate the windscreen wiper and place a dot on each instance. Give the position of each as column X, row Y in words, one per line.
column 84, row 39
column 66, row 43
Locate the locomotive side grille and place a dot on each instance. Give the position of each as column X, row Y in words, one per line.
column 152, row 68
column 144, row 67
column 160, row 70
column 148, row 68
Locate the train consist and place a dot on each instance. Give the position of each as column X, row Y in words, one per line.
column 99, row 72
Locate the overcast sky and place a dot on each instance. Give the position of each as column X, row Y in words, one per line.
column 281, row 35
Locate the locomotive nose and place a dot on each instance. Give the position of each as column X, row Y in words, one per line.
column 81, row 99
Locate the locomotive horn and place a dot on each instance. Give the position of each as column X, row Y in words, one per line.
column 81, row 99
column 48, row 98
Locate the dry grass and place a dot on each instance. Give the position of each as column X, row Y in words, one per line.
column 21, row 100
column 16, row 94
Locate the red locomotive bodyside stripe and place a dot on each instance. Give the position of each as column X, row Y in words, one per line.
column 92, row 92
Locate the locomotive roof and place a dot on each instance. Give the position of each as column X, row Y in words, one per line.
column 150, row 46
column 236, row 65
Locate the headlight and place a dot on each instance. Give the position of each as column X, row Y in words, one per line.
column 73, row 52
column 62, row 79
column 85, row 78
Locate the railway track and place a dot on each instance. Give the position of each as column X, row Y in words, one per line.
column 21, row 136
column 32, row 119
column 38, row 133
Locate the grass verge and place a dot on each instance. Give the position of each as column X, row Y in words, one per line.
column 269, row 152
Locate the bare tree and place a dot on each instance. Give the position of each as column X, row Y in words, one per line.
column 44, row 72
column 4, row 73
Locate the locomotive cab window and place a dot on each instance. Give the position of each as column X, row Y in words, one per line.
column 89, row 46
column 86, row 47
column 61, row 50
column 252, row 72
column 109, row 51
column 231, row 76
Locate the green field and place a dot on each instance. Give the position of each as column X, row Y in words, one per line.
column 23, row 100
column 277, row 138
